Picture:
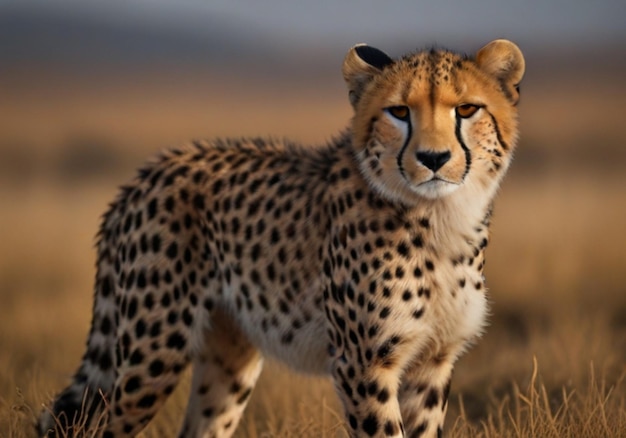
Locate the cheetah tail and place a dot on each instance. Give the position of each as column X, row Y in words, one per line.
column 81, row 407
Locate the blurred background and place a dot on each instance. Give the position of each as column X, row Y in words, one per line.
column 89, row 90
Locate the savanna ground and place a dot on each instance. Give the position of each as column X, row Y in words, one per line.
column 552, row 362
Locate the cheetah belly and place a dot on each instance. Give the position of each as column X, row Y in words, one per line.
column 306, row 350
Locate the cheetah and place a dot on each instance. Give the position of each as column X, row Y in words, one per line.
column 361, row 258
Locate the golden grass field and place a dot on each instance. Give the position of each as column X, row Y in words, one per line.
column 553, row 361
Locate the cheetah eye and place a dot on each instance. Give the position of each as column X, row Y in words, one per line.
column 466, row 110
column 400, row 112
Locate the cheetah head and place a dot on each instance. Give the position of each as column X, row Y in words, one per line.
column 434, row 122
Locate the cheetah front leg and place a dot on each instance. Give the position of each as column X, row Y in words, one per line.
column 423, row 396
column 369, row 397
column 377, row 405
column 367, row 365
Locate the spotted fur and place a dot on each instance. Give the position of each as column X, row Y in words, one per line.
column 361, row 258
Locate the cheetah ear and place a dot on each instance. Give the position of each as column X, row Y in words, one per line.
column 503, row 60
column 360, row 65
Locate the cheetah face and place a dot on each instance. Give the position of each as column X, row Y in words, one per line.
column 434, row 122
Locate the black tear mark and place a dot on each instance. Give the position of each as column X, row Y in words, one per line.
column 504, row 145
column 459, row 137
column 409, row 134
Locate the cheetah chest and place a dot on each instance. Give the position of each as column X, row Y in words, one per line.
column 398, row 285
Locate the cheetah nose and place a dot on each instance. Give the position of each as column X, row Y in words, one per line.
column 433, row 160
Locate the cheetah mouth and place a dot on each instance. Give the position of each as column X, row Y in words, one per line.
column 436, row 187
column 438, row 181
column 441, row 179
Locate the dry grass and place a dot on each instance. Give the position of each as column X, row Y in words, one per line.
column 596, row 411
column 552, row 364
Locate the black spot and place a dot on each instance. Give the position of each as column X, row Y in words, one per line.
column 419, row 430
column 187, row 317
column 352, row 421
column 172, row 316
column 235, row 388
column 176, row 340
column 390, row 225
column 130, row 280
column 105, row 361
column 132, row 308
column 128, row 223
column 105, row 325
column 287, row 338
column 275, row 238
column 152, row 208
column 384, row 351
column 156, row 368
column 417, row 241
column 260, row 226
column 423, row 291
column 140, row 328
column 217, row 186
column 147, row 401
column 432, row 399
column 170, row 203
column 172, row 250
column 143, row 243
column 166, row 300
column 403, row 250
column 132, row 385
column 446, row 391
column 253, row 207
column 156, row 243
column 105, row 288
column 361, row 390
column 255, row 252
column 269, row 205
column 370, row 425
column 141, row 279
column 390, row 428
column 383, row 395
column 244, row 396
column 136, row 357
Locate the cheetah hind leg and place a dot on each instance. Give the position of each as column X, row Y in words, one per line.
column 144, row 382
column 223, row 380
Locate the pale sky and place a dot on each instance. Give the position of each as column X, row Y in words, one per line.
column 344, row 22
